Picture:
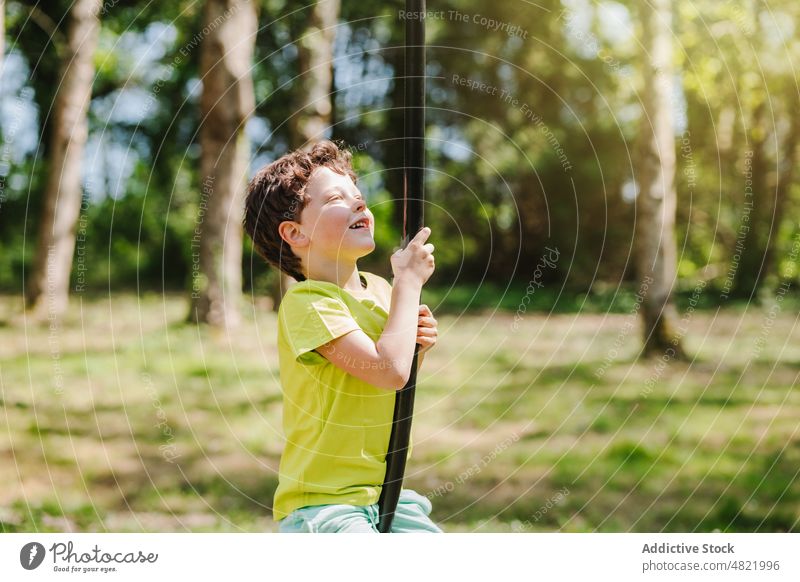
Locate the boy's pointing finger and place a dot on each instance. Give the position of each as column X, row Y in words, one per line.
column 422, row 235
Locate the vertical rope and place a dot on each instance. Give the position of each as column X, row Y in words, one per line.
column 413, row 197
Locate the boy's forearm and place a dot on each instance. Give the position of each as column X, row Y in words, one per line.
column 396, row 344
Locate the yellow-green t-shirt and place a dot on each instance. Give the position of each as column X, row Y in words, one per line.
column 337, row 427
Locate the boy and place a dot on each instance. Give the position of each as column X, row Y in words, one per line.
column 345, row 342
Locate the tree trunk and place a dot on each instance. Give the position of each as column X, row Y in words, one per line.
column 2, row 31
column 785, row 175
column 757, row 208
column 770, row 192
column 315, row 60
column 226, row 104
column 656, row 202
column 313, row 90
column 48, row 285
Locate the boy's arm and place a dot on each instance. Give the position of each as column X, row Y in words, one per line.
column 387, row 362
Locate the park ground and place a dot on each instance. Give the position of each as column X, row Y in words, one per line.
column 124, row 418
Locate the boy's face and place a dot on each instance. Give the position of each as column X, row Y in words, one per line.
column 335, row 205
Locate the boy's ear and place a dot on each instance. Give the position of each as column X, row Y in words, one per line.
column 290, row 232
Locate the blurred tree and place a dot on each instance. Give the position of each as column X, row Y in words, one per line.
column 311, row 121
column 772, row 176
column 48, row 284
column 656, row 201
column 498, row 191
column 527, row 149
column 740, row 83
column 226, row 104
column 312, row 91
column 773, row 152
column 786, row 177
column 2, row 31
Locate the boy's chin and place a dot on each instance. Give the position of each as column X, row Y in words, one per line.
column 364, row 250
column 354, row 253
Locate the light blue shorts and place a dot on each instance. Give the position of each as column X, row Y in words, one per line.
column 412, row 515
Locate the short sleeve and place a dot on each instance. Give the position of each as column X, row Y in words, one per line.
column 310, row 318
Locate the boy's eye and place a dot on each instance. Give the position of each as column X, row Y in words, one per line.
column 335, row 196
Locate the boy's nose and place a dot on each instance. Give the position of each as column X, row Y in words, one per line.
column 360, row 206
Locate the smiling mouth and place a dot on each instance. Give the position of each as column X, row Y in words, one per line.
column 360, row 224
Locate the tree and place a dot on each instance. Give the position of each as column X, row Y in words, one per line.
column 315, row 76
column 771, row 179
column 48, row 286
column 226, row 104
column 2, row 31
column 771, row 183
column 314, row 81
column 656, row 202
column 740, row 85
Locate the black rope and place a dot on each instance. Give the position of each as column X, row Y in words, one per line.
column 413, row 196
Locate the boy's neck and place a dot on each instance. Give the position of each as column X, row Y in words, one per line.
column 343, row 275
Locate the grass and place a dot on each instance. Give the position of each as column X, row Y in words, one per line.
column 124, row 418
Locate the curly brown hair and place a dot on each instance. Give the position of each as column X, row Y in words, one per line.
column 278, row 193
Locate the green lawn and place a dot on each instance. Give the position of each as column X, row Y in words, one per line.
column 126, row 419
